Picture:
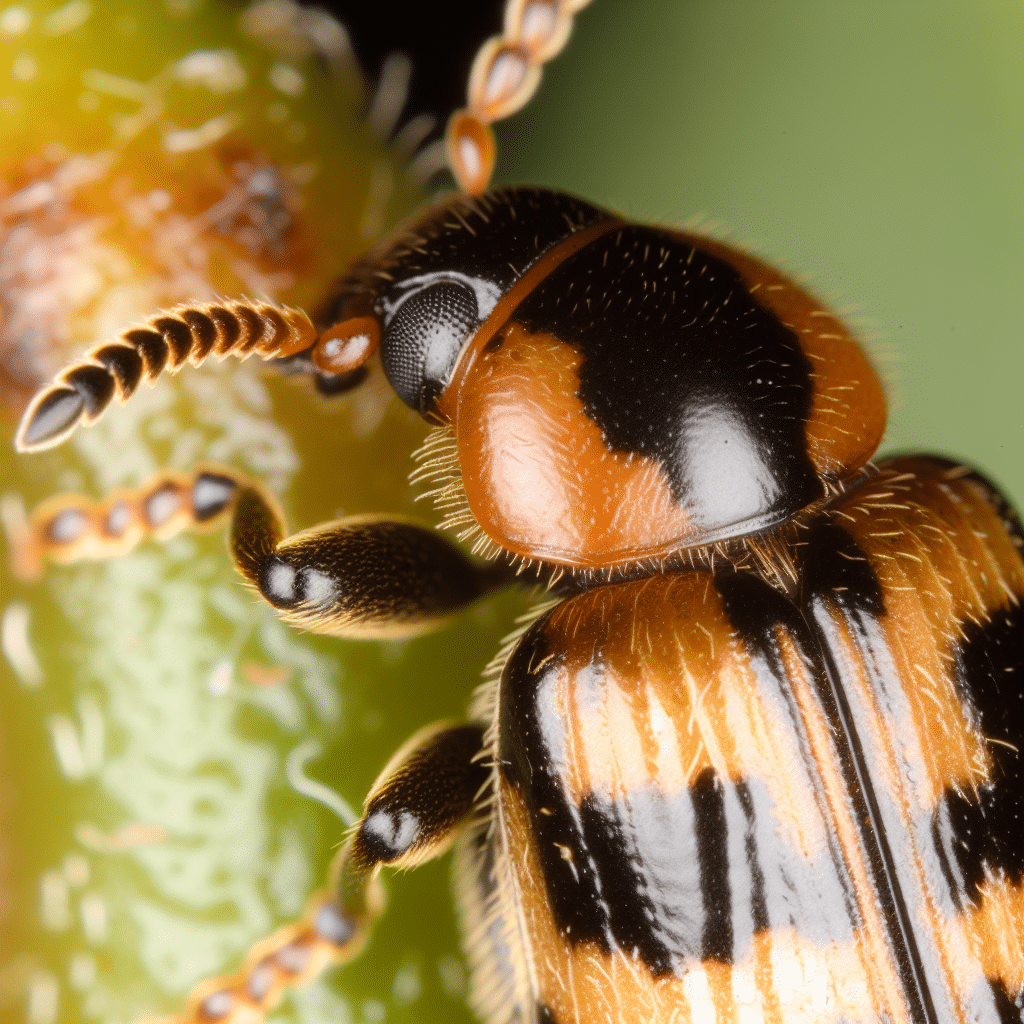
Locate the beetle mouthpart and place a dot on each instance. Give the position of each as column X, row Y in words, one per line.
column 347, row 345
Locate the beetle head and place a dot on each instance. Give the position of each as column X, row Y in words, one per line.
column 616, row 393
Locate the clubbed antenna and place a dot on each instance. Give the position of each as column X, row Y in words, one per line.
column 165, row 342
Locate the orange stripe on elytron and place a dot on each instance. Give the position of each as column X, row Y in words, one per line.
column 995, row 930
column 672, row 704
column 942, row 558
column 447, row 405
column 873, row 947
column 785, row 978
column 886, row 748
column 899, row 739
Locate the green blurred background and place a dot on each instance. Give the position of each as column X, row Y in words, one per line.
column 877, row 148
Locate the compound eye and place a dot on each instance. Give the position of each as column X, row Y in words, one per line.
column 423, row 340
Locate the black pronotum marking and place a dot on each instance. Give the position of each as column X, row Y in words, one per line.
column 683, row 365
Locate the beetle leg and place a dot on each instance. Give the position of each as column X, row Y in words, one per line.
column 358, row 577
column 413, row 813
column 421, row 799
column 331, row 932
column 361, row 577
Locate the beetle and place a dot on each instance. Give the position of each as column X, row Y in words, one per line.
column 767, row 559
column 737, row 749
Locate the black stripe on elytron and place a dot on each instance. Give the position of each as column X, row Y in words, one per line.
column 645, row 849
column 1009, row 1010
column 599, row 859
column 544, row 1015
column 711, row 827
column 757, row 611
column 530, row 747
column 834, row 564
column 758, row 901
column 982, row 828
column 682, row 364
column 989, row 1002
column 836, row 573
column 672, row 878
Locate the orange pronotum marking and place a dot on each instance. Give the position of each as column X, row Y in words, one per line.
column 537, row 472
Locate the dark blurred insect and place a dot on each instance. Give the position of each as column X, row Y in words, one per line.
column 759, row 758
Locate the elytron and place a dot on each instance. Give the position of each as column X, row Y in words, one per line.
column 758, row 759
